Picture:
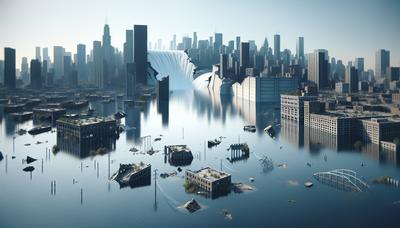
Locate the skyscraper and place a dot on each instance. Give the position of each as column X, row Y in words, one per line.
column 1, row 72
column 46, row 57
column 382, row 62
column 223, row 65
column 36, row 77
column 238, row 43
column 67, row 69
column 318, row 68
column 25, row 71
column 128, row 51
column 38, row 57
column 277, row 48
column 9, row 68
column 351, row 77
column 218, row 42
column 98, row 72
column 81, row 62
column 359, row 65
column 58, row 59
column 195, row 40
column 140, row 53
column 300, row 49
column 244, row 54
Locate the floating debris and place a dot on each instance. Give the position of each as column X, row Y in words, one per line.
column 293, row 183
column 292, row 201
column 267, row 164
column 152, row 151
column 55, row 149
column 251, row 179
column 179, row 169
column 308, row 164
column 282, row 165
column 227, row 214
column 270, row 131
column 241, row 187
column 28, row 169
column 27, row 144
column 39, row 130
column 250, row 128
column 13, row 157
column 212, row 143
column 133, row 175
column 99, row 151
column 387, row 180
column 166, row 175
column 21, row 132
column 133, row 149
column 362, row 164
column 192, row 206
column 29, row 160
column 308, row 184
column 39, row 142
column 157, row 139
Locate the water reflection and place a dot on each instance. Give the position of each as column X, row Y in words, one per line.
column 84, row 148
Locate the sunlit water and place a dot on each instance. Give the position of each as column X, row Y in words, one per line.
column 279, row 200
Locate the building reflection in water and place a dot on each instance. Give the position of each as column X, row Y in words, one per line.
column 220, row 106
column 85, row 147
column 163, row 110
column 132, row 123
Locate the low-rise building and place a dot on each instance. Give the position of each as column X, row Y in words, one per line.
column 292, row 106
column 178, row 155
column 209, row 179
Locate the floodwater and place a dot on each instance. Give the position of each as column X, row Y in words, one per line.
column 72, row 188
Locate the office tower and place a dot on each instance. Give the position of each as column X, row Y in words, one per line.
column 393, row 74
column 46, row 57
column 277, row 48
column 195, row 40
column 264, row 47
column 128, row 51
column 163, row 89
column 98, row 71
column 359, row 65
column 351, row 78
column 73, row 78
column 38, row 57
column 231, row 47
column 318, row 68
column 223, row 65
column 9, row 68
column 58, row 58
column 44, row 72
column 1, row 72
column 244, row 54
column 382, row 62
column 108, row 56
column 159, row 44
column 81, row 62
column 130, row 80
column 174, row 42
column 187, row 43
column 252, row 45
column 300, row 49
column 140, row 53
column 67, row 68
column 218, row 42
column 238, row 43
column 36, row 74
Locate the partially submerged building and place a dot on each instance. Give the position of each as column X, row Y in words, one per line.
column 210, row 180
column 133, row 175
column 178, row 155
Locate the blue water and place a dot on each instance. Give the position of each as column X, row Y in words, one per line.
column 192, row 118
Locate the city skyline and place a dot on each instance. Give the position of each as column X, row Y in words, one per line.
column 368, row 29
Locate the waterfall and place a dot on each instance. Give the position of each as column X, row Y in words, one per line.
column 176, row 65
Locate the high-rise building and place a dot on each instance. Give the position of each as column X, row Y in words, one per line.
column 25, row 71
column 318, row 69
column 67, row 68
column 187, row 42
column 128, row 47
column 195, row 40
column 351, row 78
column 98, row 67
column 238, row 43
column 130, row 80
column 46, row 57
column 38, row 57
column 1, row 72
column 36, row 74
column 244, row 55
column 140, row 53
column 393, row 74
column 9, row 68
column 223, row 65
column 382, row 62
column 58, row 59
column 277, row 47
column 359, row 65
column 81, row 62
column 300, row 49
column 218, row 42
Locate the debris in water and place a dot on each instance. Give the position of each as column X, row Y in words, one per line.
column 157, row 139
column 387, row 180
column 293, row 183
column 28, row 169
column 282, row 165
column 166, row 175
column 309, row 164
column 12, row 157
column 251, row 179
column 179, row 169
column 212, row 143
column 308, row 184
column 133, row 149
column 192, row 206
column 27, row 144
column 29, row 160
column 227, row 214
column 292, row 201
column 240, row 187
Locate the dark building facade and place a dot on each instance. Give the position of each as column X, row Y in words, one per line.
column 163, row 89
column 9, row 68
column 36, row 76
column 130, row 79
column 140, row 53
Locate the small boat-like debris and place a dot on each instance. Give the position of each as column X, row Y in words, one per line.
column 29, row 160
column 270, row 131
column 21, row 132
column 192, row 206
column 212, row 143
column 250, row 128
column 39, row 130
column 28, row 169
column 308, row 184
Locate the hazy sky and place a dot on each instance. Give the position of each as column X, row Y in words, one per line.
column 347, row 28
